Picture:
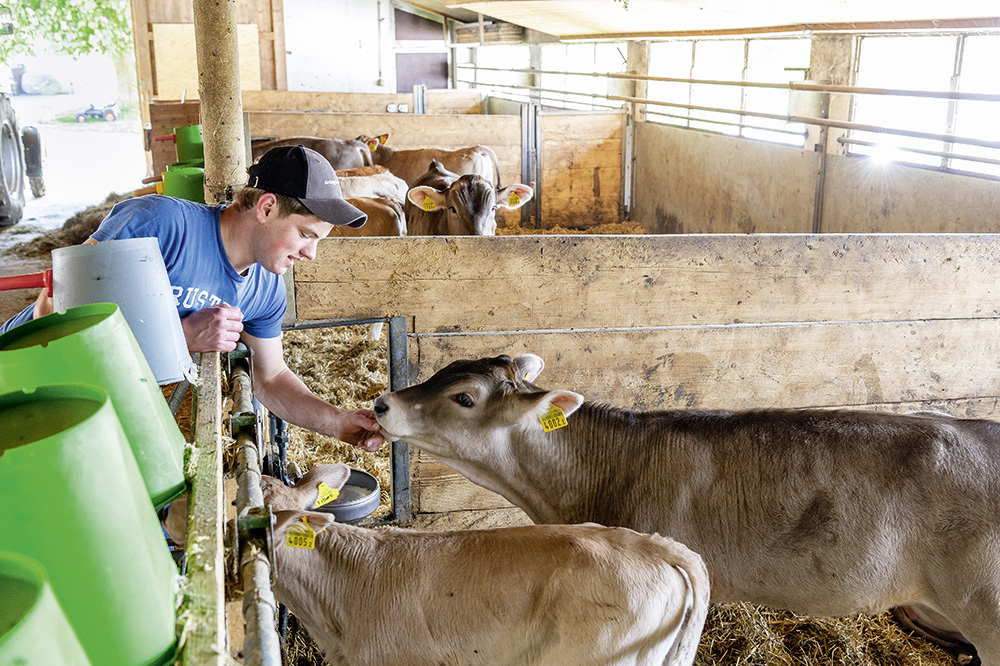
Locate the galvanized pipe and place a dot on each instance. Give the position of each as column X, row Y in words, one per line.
column 262, row 645
column 794, row 85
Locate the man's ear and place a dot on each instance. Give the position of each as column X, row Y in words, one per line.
column 265, row 205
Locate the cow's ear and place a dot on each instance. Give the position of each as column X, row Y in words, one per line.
column 426, row 198
column 529, row 367
column 382, row 138
column 551, row 408
column 285, row 520
column 514, row 196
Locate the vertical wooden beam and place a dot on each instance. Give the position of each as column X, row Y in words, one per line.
column 217, row 47
column 204, row 601
column 278, row 42
column 141, row 36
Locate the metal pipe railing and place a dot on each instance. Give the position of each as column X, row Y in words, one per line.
column 920, row 151
column 791, row 85
column 262, row 645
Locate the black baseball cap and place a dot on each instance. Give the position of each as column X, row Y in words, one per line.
column 304, row 174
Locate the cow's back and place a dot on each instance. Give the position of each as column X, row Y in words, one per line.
column 772, row 498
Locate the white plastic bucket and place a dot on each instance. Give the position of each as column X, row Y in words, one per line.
column 129, row 272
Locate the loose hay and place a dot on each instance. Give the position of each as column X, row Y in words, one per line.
column 749, row 635
column 74, row 231
column 626, row 227
column 342, row 366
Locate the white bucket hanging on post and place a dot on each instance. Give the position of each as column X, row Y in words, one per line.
column 129, row 272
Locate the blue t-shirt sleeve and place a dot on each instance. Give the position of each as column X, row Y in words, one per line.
column 22, row 317
column 199, row 270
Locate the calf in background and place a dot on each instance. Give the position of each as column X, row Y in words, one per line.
column 552, row 595
column 820, row 512
column 340, row 153
column 442, row 203
column 410, row 164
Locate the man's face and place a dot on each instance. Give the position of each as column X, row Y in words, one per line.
column 285, row 240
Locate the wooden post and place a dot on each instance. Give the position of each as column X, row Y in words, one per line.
column 218, row 54
column 205, row 642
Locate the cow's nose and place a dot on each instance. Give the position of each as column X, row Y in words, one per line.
column 380, row 406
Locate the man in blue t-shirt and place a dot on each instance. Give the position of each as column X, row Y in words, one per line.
column 225, row 266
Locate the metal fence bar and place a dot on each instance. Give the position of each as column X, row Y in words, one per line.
column 262, row 646
column 933, row 153
column 793, row 85
column 399, row 371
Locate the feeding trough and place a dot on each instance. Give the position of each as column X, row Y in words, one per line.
column 358, row 498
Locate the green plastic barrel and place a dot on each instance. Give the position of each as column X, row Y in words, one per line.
column 92, row 344
column 33, row 627
column 73, row 500
column 189, row 143
column 185, row 182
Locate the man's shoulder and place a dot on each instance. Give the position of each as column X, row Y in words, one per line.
column 159, row 203
column 151, row 214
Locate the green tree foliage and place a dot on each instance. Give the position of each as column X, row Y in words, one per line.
column 71, row 27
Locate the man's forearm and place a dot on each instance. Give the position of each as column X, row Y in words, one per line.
column 290, row 399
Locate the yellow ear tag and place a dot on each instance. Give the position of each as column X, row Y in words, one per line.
column 373, row 144
column 552, row 419
column 429, row 204
column 300, row 535
column 513, row 199
column 326, row 495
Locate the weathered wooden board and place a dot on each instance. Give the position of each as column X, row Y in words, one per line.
column 580, row 158
column 437, row 101
column 470, row 520
column 177, row 68
column 522, row 283
column 747, row 366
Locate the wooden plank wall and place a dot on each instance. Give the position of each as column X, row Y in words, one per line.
column 165, row 116
column 267, row 15
column 580, row 154
column 888, row 322
column 581, row 168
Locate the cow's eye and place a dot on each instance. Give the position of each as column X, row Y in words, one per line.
column 464, row 399
column 453, row 209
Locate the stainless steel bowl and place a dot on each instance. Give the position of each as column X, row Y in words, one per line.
column 358, row 498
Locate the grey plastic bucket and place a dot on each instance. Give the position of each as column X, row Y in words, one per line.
column 129, row 272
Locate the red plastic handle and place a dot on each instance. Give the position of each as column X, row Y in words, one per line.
column 165, row 137
column 32, row 280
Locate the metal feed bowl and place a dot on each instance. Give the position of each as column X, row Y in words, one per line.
column 358, row 498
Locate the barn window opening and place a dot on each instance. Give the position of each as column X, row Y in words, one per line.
column 707, row 93
column 958, row 63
